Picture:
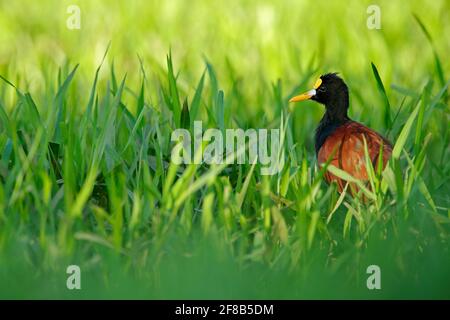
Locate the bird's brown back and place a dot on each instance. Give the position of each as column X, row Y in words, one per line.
column 345, row 147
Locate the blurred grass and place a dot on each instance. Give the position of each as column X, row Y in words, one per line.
column 85, row 167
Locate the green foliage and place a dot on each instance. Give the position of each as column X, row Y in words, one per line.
column 86, row 176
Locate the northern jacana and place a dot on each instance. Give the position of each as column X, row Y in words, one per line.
column 339, row 139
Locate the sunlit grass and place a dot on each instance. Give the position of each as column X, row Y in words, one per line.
column 86, row 176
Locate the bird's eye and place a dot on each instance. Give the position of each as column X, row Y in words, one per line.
column 322, row 89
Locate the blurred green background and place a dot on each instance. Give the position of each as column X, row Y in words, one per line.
column 261, row 52
column 258, row 40
column 251, row 45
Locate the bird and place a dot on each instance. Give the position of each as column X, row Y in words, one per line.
column 339, row 140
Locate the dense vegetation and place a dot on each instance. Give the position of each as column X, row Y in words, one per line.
column 86, row 176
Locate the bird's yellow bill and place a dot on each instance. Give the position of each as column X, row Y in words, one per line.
column 307, row 95
column 304, row 96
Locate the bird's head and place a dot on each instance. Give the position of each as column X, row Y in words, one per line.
column 329, row 90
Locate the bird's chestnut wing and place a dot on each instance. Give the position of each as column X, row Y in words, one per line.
column 345, row 148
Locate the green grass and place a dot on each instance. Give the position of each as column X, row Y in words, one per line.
column 86, row 176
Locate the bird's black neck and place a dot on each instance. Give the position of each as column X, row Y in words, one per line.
column 334, row 117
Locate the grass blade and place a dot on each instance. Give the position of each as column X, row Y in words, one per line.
column 382, row 90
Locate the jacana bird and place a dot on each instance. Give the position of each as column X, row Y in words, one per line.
column 339, row 139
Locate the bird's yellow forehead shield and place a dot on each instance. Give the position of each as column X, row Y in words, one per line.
column 318, row 83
